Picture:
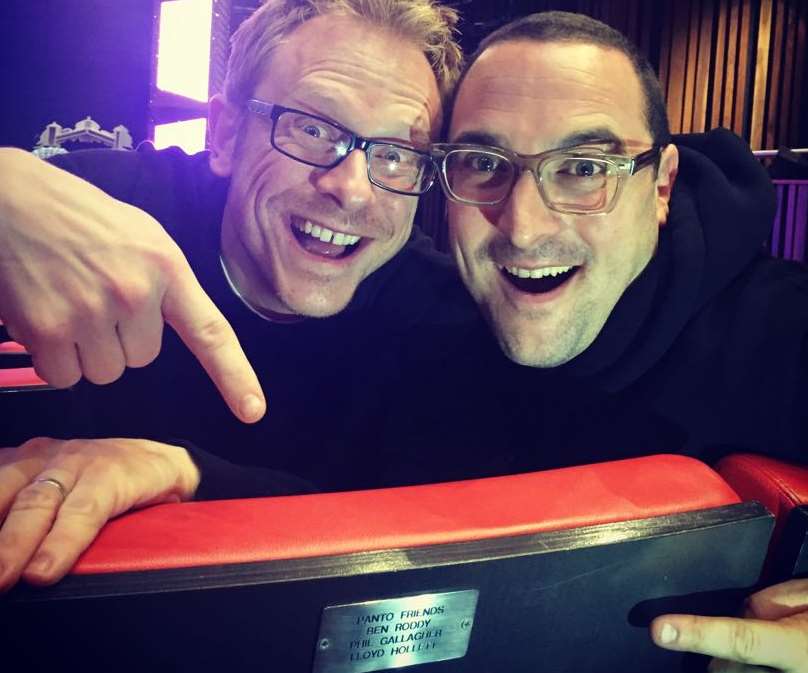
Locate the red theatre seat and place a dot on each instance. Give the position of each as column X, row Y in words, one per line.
column 783, row 489
column 11, row 348
column 16, row 373
column 558, row 571
column 20, row 379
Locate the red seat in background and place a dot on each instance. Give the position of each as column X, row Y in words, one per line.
column 12, row 348
column 16, row 374
column 560, row 571
column 20, row 379
column 783, row 489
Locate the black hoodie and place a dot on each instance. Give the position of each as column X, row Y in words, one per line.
column 705, row 353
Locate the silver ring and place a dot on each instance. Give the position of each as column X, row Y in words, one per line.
column 55, row 483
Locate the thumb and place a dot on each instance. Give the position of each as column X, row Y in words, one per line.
column 779, row 600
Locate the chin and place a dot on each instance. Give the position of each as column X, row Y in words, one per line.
column 531, row 358
column 530, row 349
column 317, row 306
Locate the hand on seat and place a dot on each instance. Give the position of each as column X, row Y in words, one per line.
column 87, row 281
column 55, row 496
column 771, row 635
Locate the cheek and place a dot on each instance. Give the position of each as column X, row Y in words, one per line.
column 269, row 172
column 644, row 236
column 469, row 227
column 394, row 216
column 405, row 217
column 465, row 242
column 625, row 239
column 457, row 235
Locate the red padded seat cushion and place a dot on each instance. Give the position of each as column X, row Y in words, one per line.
column 777, row 485
column 263, row 529
column 24, row 377
column 12, row 347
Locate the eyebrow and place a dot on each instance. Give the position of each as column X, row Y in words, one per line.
column 594, row 136
column 481, row 138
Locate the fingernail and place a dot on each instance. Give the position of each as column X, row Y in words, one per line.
column 40, row 564
column 668, row 633
column 251, row 408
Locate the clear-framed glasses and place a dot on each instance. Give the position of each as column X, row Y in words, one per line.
column 571, row 180
column 320, row 142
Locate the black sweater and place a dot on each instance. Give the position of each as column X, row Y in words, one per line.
column 319, row 375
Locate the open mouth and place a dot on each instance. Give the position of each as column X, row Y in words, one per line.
column 538, row 281
column 323, row 242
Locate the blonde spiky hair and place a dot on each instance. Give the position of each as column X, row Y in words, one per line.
column 426, row 23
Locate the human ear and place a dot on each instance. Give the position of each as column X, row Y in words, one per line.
column 224, row 123
column 666, row 177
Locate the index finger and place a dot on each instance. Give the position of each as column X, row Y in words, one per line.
column 746, row 641
column 211, row 339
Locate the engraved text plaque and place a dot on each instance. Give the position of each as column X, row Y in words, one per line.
column 378, row 635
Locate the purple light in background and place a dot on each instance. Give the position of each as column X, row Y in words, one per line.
column 189, row 135
column 183, row 51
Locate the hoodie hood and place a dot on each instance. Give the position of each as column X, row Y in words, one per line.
column 721, row 213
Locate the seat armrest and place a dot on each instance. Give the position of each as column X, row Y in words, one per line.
column 781, row 487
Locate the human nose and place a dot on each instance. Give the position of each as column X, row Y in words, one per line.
column 347, row 182
column 525, row 218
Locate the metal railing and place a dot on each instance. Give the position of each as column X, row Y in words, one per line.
column 762, row 154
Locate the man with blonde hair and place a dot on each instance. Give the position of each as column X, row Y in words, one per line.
column 319, row 151
column 86, row 317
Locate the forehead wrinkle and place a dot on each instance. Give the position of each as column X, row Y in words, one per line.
column 373, row 72
column 336, row 87
column 361, row 82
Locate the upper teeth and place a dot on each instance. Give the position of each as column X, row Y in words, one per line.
column 536, row 273
column 328, row 236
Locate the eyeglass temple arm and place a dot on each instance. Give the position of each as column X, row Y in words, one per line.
column 647, row 157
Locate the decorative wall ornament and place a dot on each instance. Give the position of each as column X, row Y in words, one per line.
column 52, row 139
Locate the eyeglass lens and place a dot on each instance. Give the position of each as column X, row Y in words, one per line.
column 575, row 183
column 317, row 142
column 310, row 139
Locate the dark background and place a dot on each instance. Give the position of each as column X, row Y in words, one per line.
column 62, row 60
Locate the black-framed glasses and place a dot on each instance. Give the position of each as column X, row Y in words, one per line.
column 578, row 181
column 320, row 142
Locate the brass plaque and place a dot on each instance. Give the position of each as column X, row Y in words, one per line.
column 378, row 635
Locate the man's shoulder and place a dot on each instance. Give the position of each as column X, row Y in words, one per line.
column 772, row 284
column 735, row 378
column 111, row 167
column 168, row 184
column 143, row 176
column 765, row 306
